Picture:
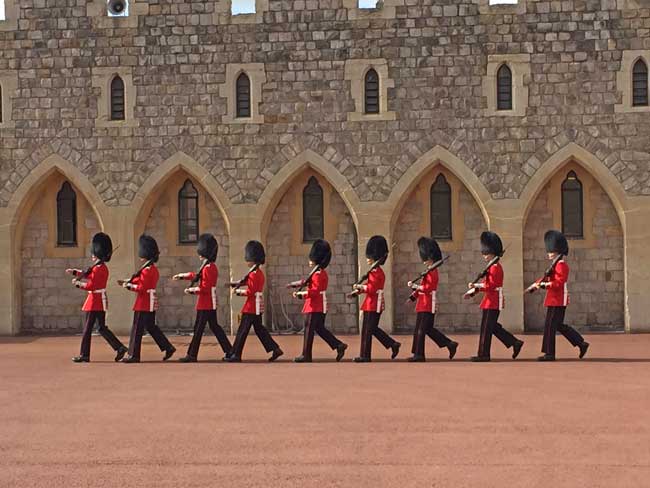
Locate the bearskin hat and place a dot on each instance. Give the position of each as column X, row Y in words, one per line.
column 254, row 252
column 429, row 249
column 207, row 247
column 491, row 243
column 556, row 242
column 377, row 249
column 148, row 248
column 321, row 253
column 102, row 247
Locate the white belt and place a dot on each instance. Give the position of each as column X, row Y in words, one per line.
column 103, row 290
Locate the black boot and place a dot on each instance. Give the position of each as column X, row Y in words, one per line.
column 480, row 359
column 302, row 359
column 120, row 353
column 395, row 348
column 169, row 353
column 583, row 349
column 81, row 359
column 361, row 360
column 276, row 354
column 130, row 359
column 340, row 351
column 187, row 359
column 453, row 346
column 232, row 359
column 516, row 348
column 416, row 359
column 546, row 357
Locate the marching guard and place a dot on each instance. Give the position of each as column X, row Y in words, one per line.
column 491, row 285
column 144, row 283
column 93, row 281
column 373, row 305
column 203, row 283
column 251, row 286
column 557, row 297
column 426, row 305
column 315, row 308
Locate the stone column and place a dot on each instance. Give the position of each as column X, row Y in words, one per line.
column 9, row 266
column 506, row 219
column 374, row 219
column 636, row 233
column 245, row 225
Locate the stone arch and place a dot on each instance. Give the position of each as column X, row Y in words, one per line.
column 597, row 261
column 157, row 214
column 280, row 207
column 38, row 264
column 409, row 204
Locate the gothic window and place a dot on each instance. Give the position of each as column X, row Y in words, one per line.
column 640, row 84
column 117, row 98
column 572, row 213
column 243, row 96
column 312, row 211
column 504, row 88
column 66, row 216
column 371, row 92
column 188, row 214
column 440, row 196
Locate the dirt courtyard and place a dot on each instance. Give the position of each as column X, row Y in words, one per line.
column 394, row 424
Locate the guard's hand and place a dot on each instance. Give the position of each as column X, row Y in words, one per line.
column 177, row 277
column 470, row 285
column 187, row 291
column 295, row 294
column 70, row 271
column 410, row 284
column 356, row 287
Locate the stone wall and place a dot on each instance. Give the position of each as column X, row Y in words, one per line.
column 176, row 310
column 455, row 314
column 596, row 287
column 436, row 55
column 51, row 305
column 285, row 265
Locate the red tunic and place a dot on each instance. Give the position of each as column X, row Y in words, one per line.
column 95, row 285
column 427, row 293
column 145, row 287
column 492, row 286
column 374, row 290
column 253, row 293
column 557, row 291
column 207, row 287
column 316, row 297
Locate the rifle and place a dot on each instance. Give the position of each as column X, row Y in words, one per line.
column 197, row 276
column 86, row 273
column 363, row 278
column 300, row 284
column 532, row 288
column 413, row 296
column 135, row 275
column 237, row 284
column 472, row 291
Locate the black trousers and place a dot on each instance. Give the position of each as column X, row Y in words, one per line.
column 424, row 327
column 207, row 317
column 146, row 321
column 98, row 318
column 490, row 326
column 555, row 323
column 369, row 328
column 315, row 323
column 248, row 320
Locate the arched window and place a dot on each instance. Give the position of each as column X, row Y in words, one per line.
column 640, row 84
column 1, row 100
column 371, row 92
column 243, row 96
column 441, row 208
column 188, row 214
column 504, row 88
column 572, row 216
column 312, row 211
column 66, row 216
column 117, row 98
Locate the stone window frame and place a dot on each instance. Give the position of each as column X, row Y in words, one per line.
column 387, row 10
column 624, row 80
column 9, row 82
column 10, row 23
column 222, row 14
column 355, row 73
column 98, row 12
column 102, row 78
column 519, row 65
column 518, row 8
column 256, row 73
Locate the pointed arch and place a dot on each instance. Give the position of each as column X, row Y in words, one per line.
column 146, row 196
column 589, row 161
column 278, row 185
column 437, row 155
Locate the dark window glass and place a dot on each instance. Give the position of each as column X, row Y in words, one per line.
column 243, row 96
column 441, row 209
column 117, row 99
column 188, row 214
column 371, row 92
column 640, row 84
column 572, row 216
column 0, row 104
column 312, row 211
column 66, row 216
column 504, row 88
